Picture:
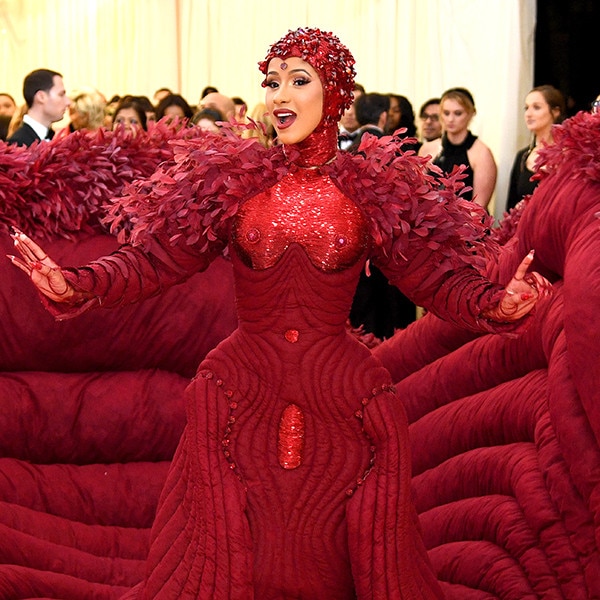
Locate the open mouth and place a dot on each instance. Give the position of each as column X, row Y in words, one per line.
column 284, row 118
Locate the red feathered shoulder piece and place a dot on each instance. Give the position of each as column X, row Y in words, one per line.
column 196, row 193
column 404, row 202
column 56, row 189
column 575, row 149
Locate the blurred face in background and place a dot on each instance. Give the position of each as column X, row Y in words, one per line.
column 455, row 116
column 174, row 111
column 127, row 118
column 348, row 120
column 539, row 117
column 394, row 115
column 78, row 119
column 431, row 126
column 220, row 102
column 208, row 125
column 7, row 105
column 240, row 113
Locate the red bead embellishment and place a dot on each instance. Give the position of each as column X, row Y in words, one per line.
column 290, row 444
column 341, row 240
column 253, row 235
column 292, row 335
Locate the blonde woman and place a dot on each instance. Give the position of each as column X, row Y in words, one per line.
column 458, row 146
column 86, row 110
column 266, row 132
column 17, row 119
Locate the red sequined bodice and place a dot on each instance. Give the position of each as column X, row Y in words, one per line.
column 306, row 208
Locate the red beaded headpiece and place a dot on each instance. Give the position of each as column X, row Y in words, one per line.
column 329, row 57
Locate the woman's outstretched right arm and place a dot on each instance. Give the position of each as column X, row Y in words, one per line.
column 44, row 273
column 128, row 275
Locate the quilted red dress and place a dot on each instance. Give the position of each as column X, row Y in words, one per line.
column 292, row 478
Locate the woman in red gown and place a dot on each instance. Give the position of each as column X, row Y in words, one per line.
column 292, row 477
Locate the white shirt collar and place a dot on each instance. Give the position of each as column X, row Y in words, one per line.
column 40, row 130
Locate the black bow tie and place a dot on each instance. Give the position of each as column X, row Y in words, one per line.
column 345, row 137
column 50, row 134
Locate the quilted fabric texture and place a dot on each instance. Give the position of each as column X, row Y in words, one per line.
column 505, row 432
column 92, row 408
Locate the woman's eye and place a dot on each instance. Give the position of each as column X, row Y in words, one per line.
column 272, row 84
column 301, row 81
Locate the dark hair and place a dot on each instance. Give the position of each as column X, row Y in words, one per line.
column 36, row 81
column 555, row 99
column 368, row 108
column 207, row 113
column 427, row 104
column 145, row 103
column 173, row 100
column 209, row 89
column 407, row 115
column 358, row 88
column 134, row 103
column 4, row 123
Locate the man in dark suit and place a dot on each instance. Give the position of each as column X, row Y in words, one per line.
column 377, row 307
column 348, row 124
column 47, row 100
column 371, row 112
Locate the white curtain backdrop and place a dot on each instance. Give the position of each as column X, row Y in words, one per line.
column 417, row 48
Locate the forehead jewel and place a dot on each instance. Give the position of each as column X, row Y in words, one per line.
column 326, row 54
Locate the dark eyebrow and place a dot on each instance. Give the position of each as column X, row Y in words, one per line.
column 298, row 70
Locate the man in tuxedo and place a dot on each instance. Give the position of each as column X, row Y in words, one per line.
column 431, row 126
column 377, row 307
column 348, row 123
column 47, row 100
column 371, row 113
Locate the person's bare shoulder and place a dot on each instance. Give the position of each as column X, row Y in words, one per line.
column 481, row 153
column 430, row 149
